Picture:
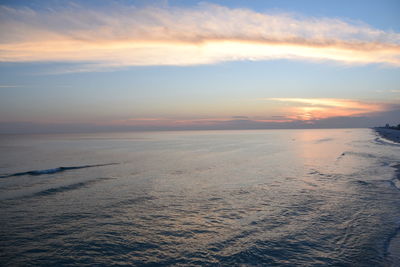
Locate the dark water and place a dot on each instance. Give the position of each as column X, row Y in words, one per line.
column 228, row 198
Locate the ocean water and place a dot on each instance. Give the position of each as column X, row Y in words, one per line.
column 200, row 198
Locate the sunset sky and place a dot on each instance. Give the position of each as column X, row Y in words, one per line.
column 165, row 65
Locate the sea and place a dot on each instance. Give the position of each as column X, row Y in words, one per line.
column 320, row 197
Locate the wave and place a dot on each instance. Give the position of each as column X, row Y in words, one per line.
column 384, row 141
column 65, row 188
column 357, row 154
column 58, row 189
column 396, row 179
column 54, row 170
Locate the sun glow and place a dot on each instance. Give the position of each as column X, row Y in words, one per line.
column 308, row 109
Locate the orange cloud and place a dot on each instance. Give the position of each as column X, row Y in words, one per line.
column 283, row 110
column 128, row 36
column 308, row 109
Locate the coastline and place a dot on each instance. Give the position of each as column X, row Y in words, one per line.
column 393, row 247
column 389, row 134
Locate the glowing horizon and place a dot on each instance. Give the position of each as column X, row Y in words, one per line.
column 309, row 111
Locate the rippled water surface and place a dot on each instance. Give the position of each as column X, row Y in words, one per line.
column 224, row 198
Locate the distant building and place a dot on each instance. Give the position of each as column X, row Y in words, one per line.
column 387, row 125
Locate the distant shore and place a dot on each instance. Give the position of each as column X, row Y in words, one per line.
column 390, row 134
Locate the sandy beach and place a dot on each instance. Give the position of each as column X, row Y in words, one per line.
column 390, row 134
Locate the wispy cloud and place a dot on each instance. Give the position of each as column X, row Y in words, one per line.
column 369, row 120
column 206, row 34
column 287, row 110
column 240, row 117
column 210, row 121
column 310, row 109
column 10, row 86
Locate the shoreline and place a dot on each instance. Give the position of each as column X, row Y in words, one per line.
column 393, row 247
column 389, row 134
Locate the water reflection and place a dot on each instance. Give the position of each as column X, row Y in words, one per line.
column 304, row 197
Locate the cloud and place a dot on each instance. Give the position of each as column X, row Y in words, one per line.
column 311, row 109
column 367, row 120
column 10, row 86
column 298, row 113
column 192, row 122
column 205, row 34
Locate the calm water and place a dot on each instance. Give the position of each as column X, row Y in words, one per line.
column 227, row 198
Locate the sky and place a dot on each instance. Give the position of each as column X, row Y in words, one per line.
column 79, row 66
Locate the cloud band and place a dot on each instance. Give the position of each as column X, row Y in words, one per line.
column 206, row 34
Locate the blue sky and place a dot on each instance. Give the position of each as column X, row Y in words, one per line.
column 198, row 65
